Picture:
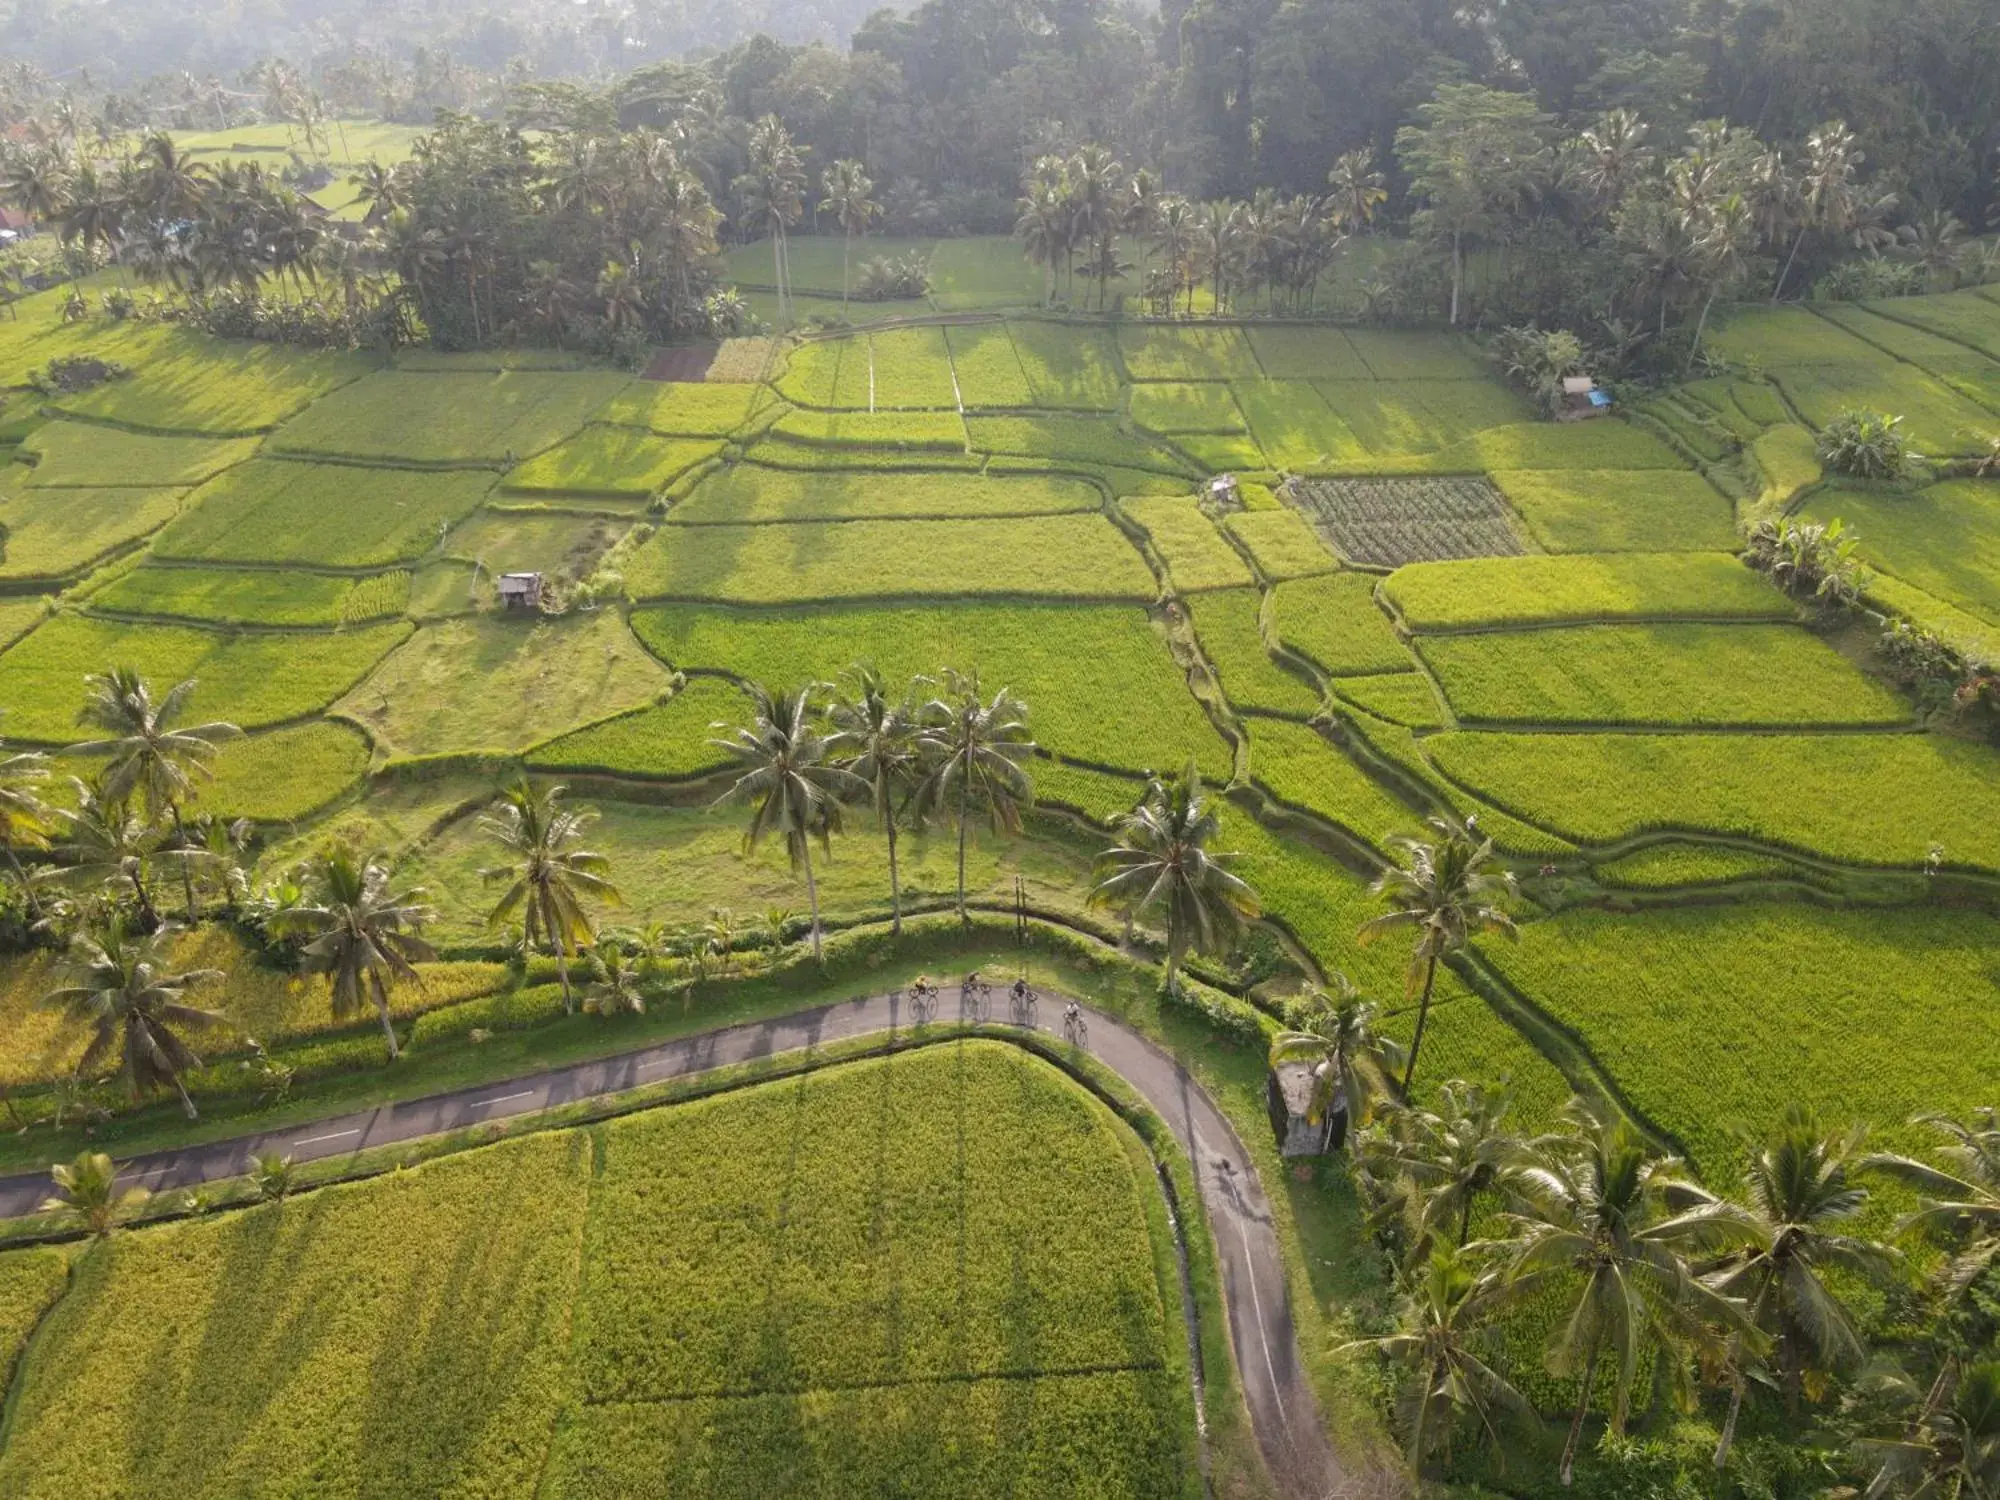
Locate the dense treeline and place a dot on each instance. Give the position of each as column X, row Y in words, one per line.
column 1220, row 97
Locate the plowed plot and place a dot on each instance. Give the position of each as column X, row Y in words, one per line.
column 1388, row 522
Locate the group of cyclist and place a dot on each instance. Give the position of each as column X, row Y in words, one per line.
column 975, row 990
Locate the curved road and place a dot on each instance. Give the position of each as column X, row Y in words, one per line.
column 1282, row 1408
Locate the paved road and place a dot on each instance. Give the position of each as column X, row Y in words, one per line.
column 1282, row 1408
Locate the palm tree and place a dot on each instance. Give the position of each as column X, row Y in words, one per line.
column 1443, row 1339
column 972, row 751
column 359, row 933
column 1451, row 1157
column 846, row 188
column 549, row 878
column 1959, row 1196
column 790, row 779
column 35, row 182
column 1723, row 243
column 1828, row 190
column 108, row 846
column 1041, row 227
column 719, row 937
column 614, row 983
column 1801, row 1189
column 773, row 194
column 1139, row 215
column 624, row 301
column 1945, row 1440
column 1597, row 1230
column 1176, row 237
column 1611, row 155
column 1446, row 891
column 25, row 820
column 1358, row 189
column 1162, row 858
column 1218, row 241
column 877, row 740
column 87, row 1194
column 380, row 187
column 1935, row 242
column 148, row 755
column 126, row 998
column 1349, row 1059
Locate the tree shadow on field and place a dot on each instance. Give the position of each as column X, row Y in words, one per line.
column 466, row 1341
column 267, row 1317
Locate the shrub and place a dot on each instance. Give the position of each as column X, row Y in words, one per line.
column 1865, row 445
column 1539, row 361
column 1815, row 560
column 68, row 374
column 893, row 278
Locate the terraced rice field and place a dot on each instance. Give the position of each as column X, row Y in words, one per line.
column 1429, row 599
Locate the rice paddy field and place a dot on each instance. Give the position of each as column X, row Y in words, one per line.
column 1416, row 598
column 802, row 1285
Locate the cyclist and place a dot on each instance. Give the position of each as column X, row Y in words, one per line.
column 1022, row 994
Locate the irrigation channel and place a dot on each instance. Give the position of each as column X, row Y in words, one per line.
column 1283, row 1410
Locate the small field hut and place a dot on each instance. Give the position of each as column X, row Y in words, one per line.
column 1288, row 1094
column 521, row 590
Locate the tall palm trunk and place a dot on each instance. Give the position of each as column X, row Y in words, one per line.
column 1457, row 272
column 559, row 944
column 895, row 880
column 778, row 269
column 846, row 252
column 964, row 792
column 388, row 1028
column 1423, row 1015
column 1694, row 350
column 1568, row 1468
column 1786, row 274
column 812, row 898
column 1736, row 1386
column 187, row 870
column 187, row 1104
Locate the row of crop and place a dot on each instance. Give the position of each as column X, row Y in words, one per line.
column 56, row 534
column 1503, row 591
column 808, row 1235
column 1873, row 799
column 1715, row 1019
column 1060, row 556
column 747, row 493
column 1100, row 683
column 1694, row 675
column 251, row 679
column 255, row 596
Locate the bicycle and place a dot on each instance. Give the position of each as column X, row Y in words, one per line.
column 923, row 1002
column 973, row 993
column 1024, row 999
column 1076, row 1030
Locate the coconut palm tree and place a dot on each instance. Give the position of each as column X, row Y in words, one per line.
column 1944, row 1439
column 1447, row 892
column 88, row 1195
column 550, row 879
column 359, row 933
column 1358, row 190
column 148, row 755
column 622, row 300
column 1451, row 1157
column 1801, row 1189
column 878, row 740
column 1724, row 239
column 1350, row 1060
column 1163, row 859
column 791, row 781
column 1829, row 190
column 1218, row 242
column 126, row 998
column 26, row 821
column 1958, row 1195
column 846, row 190
column 107, row 848
column 1445, row 1342
column 773, row 195
column 1042, row 227
column 614, row 983
column 971, row 749
column 1597, row 1230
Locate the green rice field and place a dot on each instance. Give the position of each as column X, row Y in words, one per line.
column 638, row 1300
column 1754, row 866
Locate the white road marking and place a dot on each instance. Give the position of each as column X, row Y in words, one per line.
column 1257, row 1306
column 336, row 1135
column 503, row 1099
